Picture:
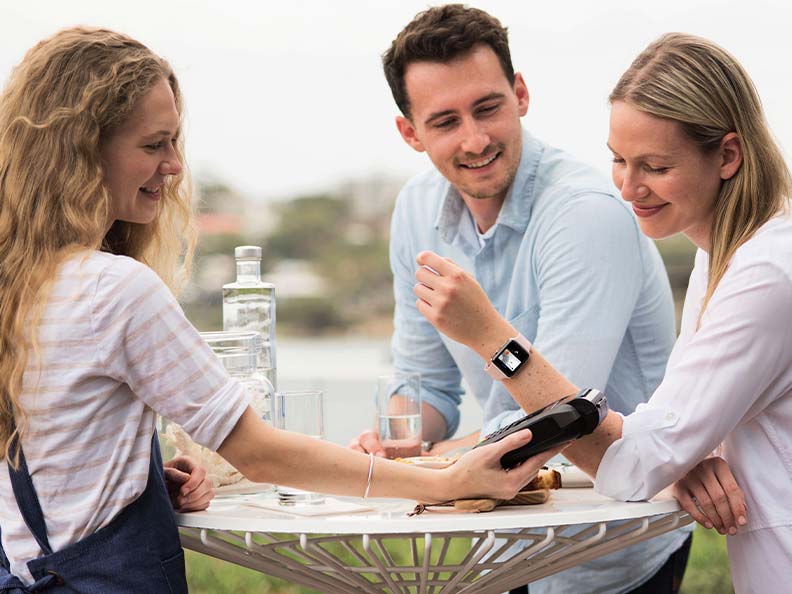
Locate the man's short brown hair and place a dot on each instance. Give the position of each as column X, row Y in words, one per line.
column 441, row 34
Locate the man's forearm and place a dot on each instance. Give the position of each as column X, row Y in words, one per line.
column 454, row 303
column 443, row 447
column 433, row 425
column 539, row 384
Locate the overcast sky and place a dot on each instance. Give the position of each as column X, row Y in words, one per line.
column 286, row 97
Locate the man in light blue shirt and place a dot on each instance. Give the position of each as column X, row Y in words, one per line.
column 558, row 253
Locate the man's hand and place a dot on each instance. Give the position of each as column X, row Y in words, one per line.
column 710, row 494
column 433, row 428
column 454, row 303
column 368, row 442
column 188, row 486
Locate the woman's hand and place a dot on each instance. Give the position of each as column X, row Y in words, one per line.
column 478, row 474
column 188, row 486
column 710, row 494
column 455, row 303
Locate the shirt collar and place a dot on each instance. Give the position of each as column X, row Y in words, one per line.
column 514, row 213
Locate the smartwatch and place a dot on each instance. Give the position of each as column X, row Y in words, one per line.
column 510, row 358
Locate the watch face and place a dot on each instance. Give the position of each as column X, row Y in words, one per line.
column 511, row 358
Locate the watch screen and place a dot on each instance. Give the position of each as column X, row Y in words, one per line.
column 511, row 358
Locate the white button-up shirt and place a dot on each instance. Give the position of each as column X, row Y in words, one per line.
column 728, row 381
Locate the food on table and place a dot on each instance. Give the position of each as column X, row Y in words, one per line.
column 428, row 461
column 547, row 478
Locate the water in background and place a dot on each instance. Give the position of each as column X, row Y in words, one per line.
column 346, row 370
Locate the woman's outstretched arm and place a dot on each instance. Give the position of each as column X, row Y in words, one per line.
column 265, row 454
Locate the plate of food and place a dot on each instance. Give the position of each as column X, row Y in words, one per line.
column 435, row 462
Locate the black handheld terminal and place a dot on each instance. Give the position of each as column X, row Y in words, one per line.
column 562, row 421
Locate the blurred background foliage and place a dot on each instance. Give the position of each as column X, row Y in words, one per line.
column 327, row 255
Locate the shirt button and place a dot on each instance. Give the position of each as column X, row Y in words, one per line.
column 670, row 417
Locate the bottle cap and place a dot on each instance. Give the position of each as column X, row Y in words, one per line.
column 247, row 252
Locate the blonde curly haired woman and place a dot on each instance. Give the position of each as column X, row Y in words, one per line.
column 693, row 154
column 95, row 234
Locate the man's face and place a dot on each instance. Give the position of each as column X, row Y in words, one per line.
column 466, row 116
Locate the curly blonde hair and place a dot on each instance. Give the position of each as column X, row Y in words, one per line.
column 695, row 82
column 67, row 96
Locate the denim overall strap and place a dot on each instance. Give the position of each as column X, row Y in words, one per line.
column 138, row 551
column 27, row 500
column 30, row 508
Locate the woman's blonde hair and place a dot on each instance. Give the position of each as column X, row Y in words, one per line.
column 697, row 83
column 67, row 96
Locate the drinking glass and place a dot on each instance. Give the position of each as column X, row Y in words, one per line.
column 399, row 414
column 300, row 412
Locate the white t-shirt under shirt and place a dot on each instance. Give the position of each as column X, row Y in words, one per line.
column 115, row 348
column 729, row 381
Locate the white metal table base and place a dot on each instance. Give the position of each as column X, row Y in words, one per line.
column 345, row 563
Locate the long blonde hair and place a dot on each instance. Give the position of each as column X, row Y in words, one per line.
column 697, row 83
column 66, row 97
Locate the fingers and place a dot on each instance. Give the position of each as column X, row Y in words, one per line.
column 196, row 500
column 424, row 293
column 726, row 495
column 511, row 442
column 734, row 494
column 703, row 500
column 183, row 463
column 711, row 495
column 175, row 478
column 427, row 277
column 690, row 505
column 189, row 491
column 368, row 442
column 443, row 266
column 197, row 478
column 716, row 506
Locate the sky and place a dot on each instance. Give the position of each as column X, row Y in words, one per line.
column 289, row 97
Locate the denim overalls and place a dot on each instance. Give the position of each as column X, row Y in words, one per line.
column 139, row 552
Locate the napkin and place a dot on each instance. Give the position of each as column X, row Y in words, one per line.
column 330, row 507
column 533, row 497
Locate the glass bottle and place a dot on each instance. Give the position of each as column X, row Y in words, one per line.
column 249, row 305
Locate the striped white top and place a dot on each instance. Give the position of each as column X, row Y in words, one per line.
column 115, row 347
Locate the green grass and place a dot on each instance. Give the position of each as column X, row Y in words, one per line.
column 708, row 566
column 707, row 571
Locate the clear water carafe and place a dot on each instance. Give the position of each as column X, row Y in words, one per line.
column 249, row 305
column 238, row 352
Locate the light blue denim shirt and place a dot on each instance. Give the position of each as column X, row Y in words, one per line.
column 568, row 266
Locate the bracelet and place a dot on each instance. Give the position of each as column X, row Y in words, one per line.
column 370, row 472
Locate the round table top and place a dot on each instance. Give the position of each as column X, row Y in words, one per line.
column 387, row 516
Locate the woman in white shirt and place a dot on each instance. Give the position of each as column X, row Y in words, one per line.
column 692, row 153
column 94, row 214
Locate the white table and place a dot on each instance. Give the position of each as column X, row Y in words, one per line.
column 354, row 552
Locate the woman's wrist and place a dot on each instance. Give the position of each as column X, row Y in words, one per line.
column 444, row 485
column 493, row 338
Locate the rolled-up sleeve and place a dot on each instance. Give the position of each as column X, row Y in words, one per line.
column 146, row 342
column 718, row 377
column 416, row 345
